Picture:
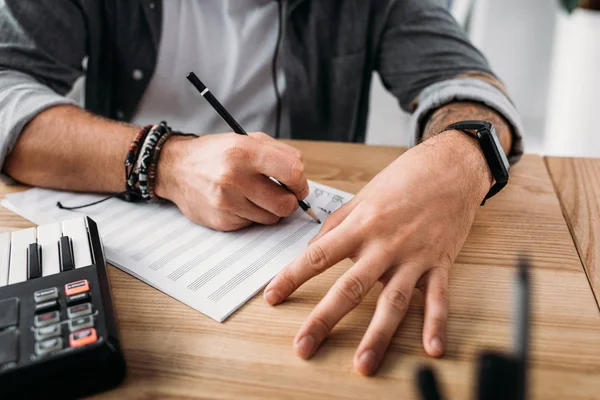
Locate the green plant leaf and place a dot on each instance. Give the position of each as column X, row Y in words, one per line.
column 570, row 5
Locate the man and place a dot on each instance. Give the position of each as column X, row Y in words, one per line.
column 404, row 228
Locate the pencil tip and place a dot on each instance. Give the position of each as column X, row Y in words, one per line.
column 313, row 215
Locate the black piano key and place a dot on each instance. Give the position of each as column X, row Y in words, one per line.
column 34, row 261
column 65, row 252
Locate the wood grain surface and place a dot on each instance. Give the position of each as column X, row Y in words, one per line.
column 174, row 352
column 577, row 184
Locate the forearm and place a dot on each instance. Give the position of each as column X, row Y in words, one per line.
column 65, row 147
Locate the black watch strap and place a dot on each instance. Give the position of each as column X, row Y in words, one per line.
column 485, row 133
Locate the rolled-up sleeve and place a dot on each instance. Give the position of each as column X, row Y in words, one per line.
column 467, row 89
column 21, row 99
column 422, row 59
column 42, row 44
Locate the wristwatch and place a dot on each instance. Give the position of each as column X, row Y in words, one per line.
column 485, row 134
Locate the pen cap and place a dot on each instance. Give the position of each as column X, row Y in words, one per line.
column 498, row 377
column 428, row 387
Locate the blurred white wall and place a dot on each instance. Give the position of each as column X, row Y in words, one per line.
column 574, row 86
column 516, row 37
column 388, row 124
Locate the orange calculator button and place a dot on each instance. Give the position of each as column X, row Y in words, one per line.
column 77, row 287
column 83, row 337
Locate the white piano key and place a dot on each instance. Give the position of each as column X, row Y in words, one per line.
column 48, row 237
column 4, row 257
column 77, row 231
column 17, row 271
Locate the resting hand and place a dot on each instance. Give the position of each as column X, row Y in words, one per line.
column 221, row 180
column 404, row 229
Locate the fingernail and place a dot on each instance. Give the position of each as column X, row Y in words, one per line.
column 305, row 346
column 367, row 361
column 436, row 345
column 272, row 297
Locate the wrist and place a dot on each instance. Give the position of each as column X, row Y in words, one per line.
column 467, row 150
column 167, row 168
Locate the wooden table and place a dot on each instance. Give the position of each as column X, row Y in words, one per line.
column 175, row 352
column 577, row 183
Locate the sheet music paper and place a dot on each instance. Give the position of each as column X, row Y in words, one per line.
column 212, row 272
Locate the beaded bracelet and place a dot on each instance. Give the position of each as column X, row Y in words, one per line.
column 131, row 192
column 134, row 148
column 153, row 164
column 147, row 149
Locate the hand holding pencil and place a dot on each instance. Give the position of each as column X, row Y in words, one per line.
column 237, row 128
column 222, row 180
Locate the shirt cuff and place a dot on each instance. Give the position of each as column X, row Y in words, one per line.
column 22, row 99
column 468, row 89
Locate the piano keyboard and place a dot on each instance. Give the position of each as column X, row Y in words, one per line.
column 44, row 251
column 57, row 322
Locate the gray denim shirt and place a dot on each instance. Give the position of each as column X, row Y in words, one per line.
column 330, row 50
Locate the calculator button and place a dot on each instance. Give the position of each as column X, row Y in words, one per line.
column 9, row 312
column 47, row 332
column 77, row 287
column 83, row 337
column 45, row 294
column 46, row 306
column 81, row 323
column 9, row 346
column 47, row 319
column 79, row 310
column 78, row 298
column 48, row 346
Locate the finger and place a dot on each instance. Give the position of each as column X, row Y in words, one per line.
column 343, row 297
column 270, row 196
column 317, row 257
column 250, row 211
column 283, row 166
column 436, row 312
column 227, row 222
column 392, row 304
column 267, row 139
column 335, row 219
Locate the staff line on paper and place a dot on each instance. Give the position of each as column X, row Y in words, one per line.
column 261, row 262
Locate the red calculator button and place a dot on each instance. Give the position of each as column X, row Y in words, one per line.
column 83, row 337
column 77, row 287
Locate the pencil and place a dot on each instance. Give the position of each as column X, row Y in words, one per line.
column 237, row 128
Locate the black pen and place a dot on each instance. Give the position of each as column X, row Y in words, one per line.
column 522, row 316
column 237, row 128
column 427, row 384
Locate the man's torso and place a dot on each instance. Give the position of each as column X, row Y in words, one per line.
column 230, row 45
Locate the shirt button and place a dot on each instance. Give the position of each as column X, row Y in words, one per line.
column 137, row 74
column 120, row 114
column 151, row 5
